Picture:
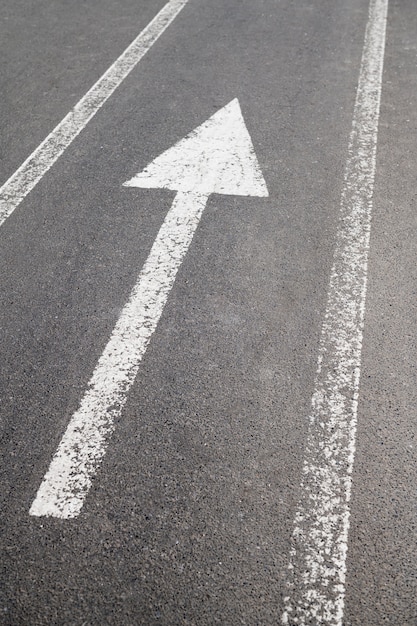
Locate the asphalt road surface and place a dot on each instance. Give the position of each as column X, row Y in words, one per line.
column 208, row 479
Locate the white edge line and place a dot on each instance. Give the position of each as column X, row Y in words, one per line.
column 16, row 188
column 317, row 569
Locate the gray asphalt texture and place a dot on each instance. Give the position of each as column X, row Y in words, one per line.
column 190, row 517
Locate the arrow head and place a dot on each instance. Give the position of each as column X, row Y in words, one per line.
column 217, row 157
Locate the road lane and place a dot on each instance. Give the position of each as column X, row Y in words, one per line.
column 190, row 517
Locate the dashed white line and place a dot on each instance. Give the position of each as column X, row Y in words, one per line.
column 317, row 570
column 16, row 188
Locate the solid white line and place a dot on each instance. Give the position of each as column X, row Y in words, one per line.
column 68, row 479
column 39, row 162
column 317, row 570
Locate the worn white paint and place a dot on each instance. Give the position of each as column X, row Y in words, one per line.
column 317, row 571
column 221, row 142
column 16, row 188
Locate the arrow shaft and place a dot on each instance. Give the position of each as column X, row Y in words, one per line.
column 84, row 443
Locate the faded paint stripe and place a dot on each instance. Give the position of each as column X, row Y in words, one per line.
column 16, row 188
column 317, row 570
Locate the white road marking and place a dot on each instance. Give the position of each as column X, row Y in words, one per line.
column 218, row 157
column 16, row 188
column 317, row 570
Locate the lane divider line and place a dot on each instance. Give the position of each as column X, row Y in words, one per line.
column 315, row 591
column 17, row 187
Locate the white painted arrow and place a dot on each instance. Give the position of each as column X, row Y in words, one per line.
column 217, row 157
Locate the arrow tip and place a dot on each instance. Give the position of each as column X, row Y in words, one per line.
column 216, row 157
